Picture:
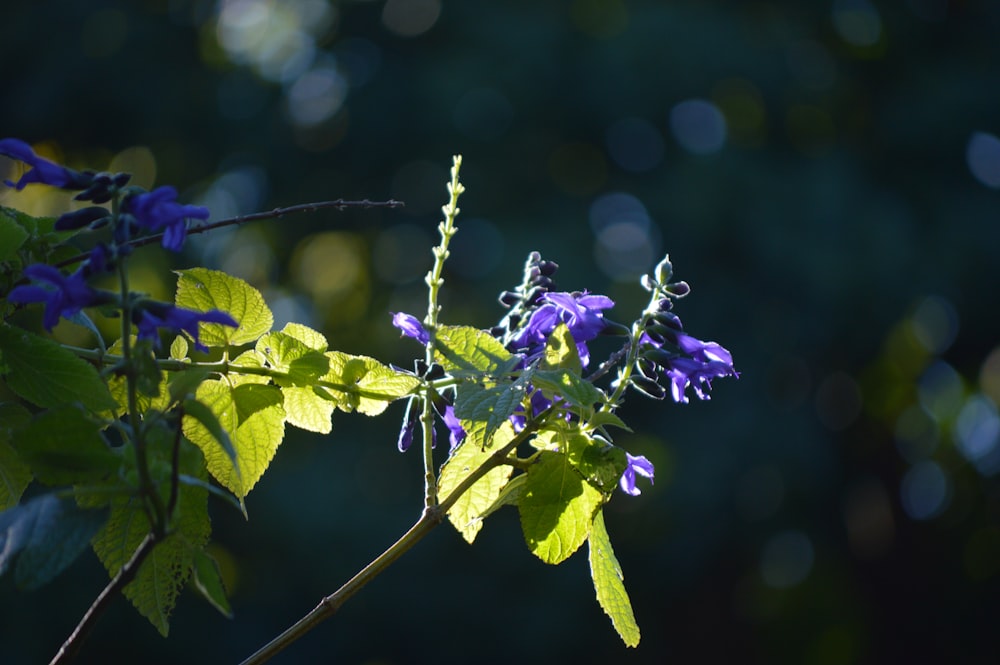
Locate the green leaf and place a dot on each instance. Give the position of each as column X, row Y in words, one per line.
column 46, row 535
column 556, row 508
column 576, row 391
column 602, row 419
column 308, row 408
column 249, row 358
column 602, row 464
column 44, row 373
column 63, row 447
column 466, row 350
column 609, row 583
column 14, row 473
column 288, row 354
column 14, row 476
column 510, row 495
column 208, row 581
column 466, row 512
column 179, row 348
column 202, row 290
column 561, row 352
column 183, row 384
column 311, row 338
column 364, row 384
column 12, row 234
column 206, row 417
column 491, row 406
column 163, row 574
column 254, row 417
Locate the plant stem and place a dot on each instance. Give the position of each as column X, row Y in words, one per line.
column 70, row 648
column 434, row 282
column 430, row 518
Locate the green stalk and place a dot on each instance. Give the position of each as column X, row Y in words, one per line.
column 158, row 514
column 434, row 282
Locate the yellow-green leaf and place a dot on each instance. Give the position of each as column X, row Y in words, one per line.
column 609, row 583
column 557, row 507
column 465, row 513
column 202, row 290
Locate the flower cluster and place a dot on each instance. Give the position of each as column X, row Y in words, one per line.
column 66, row 295
column 536, row 310
column 667, row 354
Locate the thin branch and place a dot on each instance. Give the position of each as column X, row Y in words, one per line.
column 430, row 518
column 276, row 213
column 70, row 648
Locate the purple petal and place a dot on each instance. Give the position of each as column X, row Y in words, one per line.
column 411, row 327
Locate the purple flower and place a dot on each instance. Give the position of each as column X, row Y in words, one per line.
column 42, row 170
column 405, row 439
column 159, row 209
column 703, row 351
column 411, row 327
column 703, row 362
column 582, row 314
column 636, row 465
column 456, row 433
column 64, row 296
column 152, row 316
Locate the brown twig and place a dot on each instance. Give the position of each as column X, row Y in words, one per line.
column 276, row 213
column 70, row 648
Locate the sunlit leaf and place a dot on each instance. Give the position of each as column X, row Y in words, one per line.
column 609, row 583
column 561, row 352
column 556, row 508
column 463, row 349
column 464, row 514
column 202, row 290
column 364, row 384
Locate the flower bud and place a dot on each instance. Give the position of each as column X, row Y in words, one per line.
column 678, row 289
column 648, row 387
column 81, row 218
column 664, row 270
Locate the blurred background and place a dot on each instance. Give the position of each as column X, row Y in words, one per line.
column 824, row 174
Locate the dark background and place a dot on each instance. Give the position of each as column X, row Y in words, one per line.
column 825, row 176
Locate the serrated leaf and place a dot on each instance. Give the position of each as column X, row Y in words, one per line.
column 163, row 574
column 14, row 476
column 603, row 419
column 63, row 447
column 208, row 581
column 313, row 339
column 561, row 352
column 600, row 463
column 364, row 384
column 576, row 391
column 308, row 409
column 12, row 235
column 510, row 495
column 206, row 418
column 46, row 535
column 556, row 508
column 465, row 513
column 491, row 406
column 118, row 386
column 202, row 290
column 249, row 358
column 463, row 349
column 609, row 583
column 44, row 373
column 284, row 353
column 254, row 417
